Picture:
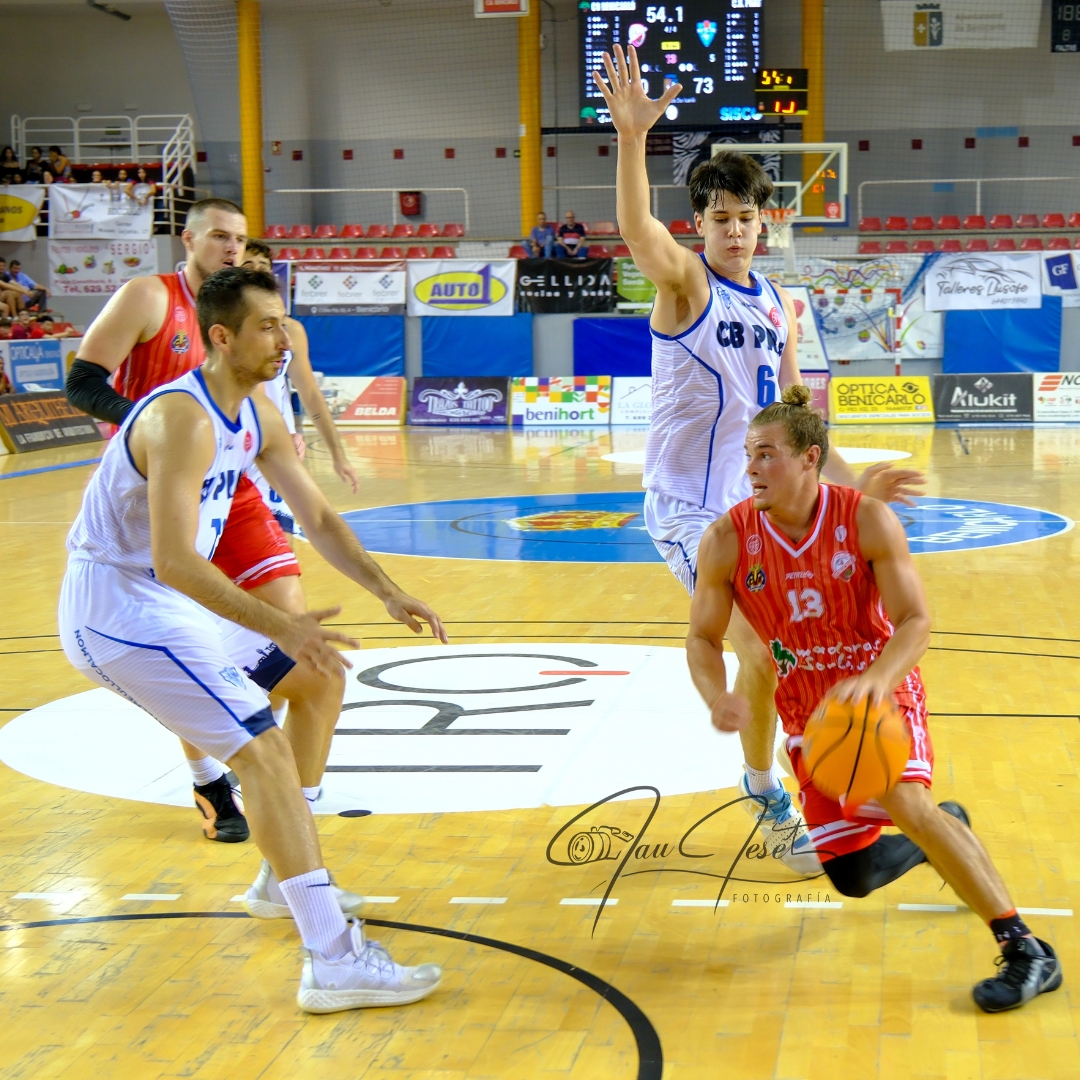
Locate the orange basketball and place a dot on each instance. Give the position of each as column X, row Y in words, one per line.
column 855, row 749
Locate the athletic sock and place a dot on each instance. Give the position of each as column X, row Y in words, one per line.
column 1010, row 927
column 761, row 781
column 312, row 793
column 314, row 906
column 205, row 770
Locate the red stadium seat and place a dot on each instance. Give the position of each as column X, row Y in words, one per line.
column 453, row 229
column 923, row 247
column 951, row 245
column 605, row 228
column 392, row 253
column 896, row 224
column 1003, row 221
column 518, row 252
column 869, row 247
column 922, row 224
column 681, row 227
column 325, row 232
column 975, row 221
column 1004, row 243
column 352, row 232
column 378, row 232
column 1029, row 221
column 1058, row 243
column 1032, row 243
column 367, row 253
column 1078, row 242
column 428, row 229
column 443, row 252
column 417, row 253
column 948, row 221
column 978, row 244
column 402, row 231
column 599, row 251
column 299, row 232
column 340, row 253
column 622, row 252
column 274, row 232
column 699, row 249
column 1074, row 220
column 896, row 247
column 870, row 224
column 761, row 249
column 289, row 253
column 1053, row 221
column 315, row 253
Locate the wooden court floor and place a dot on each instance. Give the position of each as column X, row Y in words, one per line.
column 753, row 990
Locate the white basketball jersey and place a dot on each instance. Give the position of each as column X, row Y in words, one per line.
column 113, row 526
column 708, row 383
column 280, row 393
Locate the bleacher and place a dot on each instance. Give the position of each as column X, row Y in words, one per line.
column 975, row 232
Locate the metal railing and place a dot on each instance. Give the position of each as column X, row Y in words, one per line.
column 94, row 140
column 393, row 192
column 977, row 181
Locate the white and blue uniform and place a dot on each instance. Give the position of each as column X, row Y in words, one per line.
column 708, row 383
column 143, row 640
column 280, row 394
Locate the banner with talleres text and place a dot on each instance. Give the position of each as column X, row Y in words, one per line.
column 480, row 400
column 982, row 280
column 366, row 400
column 881, row 399
column 560, row 401
column 20, row 205
column 461, row 287
column 98, row 267
column 960, row 24
column 98, row 212
column 565, row 286
column 373, row 288
column 38, row 420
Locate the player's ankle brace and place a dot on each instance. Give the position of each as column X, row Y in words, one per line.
column 1009, row 927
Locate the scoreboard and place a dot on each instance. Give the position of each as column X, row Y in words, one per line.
column 782, row 91
column 711, row 47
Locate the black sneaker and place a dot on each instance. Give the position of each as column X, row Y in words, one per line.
column 1024, row 974
column 956, row 810
column 222, row 819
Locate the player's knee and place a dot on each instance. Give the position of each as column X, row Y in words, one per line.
column 269, row 752
column 848, row 874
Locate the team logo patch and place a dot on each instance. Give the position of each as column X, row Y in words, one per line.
column 753, row 543
column 180, row 343
column 231, row 675
column 755, row 578
column 841, row 533
column 843, row 565
column 784, row 659
column 725, row 296
column 247, row 440
column 774, row 317
column 179, row 314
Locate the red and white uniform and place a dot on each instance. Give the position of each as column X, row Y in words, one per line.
column 817, row 608
column 253, row 549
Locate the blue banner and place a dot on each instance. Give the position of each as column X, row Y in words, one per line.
column 356, row 344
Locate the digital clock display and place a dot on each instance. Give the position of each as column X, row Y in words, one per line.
column 1064, row 27
column 711, row 47
column 782, row 91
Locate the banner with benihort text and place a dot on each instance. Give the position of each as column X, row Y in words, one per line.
column 375, row 288
column 98, row 267
column 884, row 399
column 560, row 401
column 565, row 286
column 19, row 208
column 99, row 212
column 990, row 398
column 980, row 280
column 35, row 421
column 461, row 287
column 464, row 400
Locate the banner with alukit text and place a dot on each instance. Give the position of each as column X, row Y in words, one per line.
column 461, row 287
column 375, row 288
column 19, row 208
column 960, row 24
column 98, row 211
column 98, row 267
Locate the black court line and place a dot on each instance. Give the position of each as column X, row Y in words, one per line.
column 650, row 1052
column 432, row 768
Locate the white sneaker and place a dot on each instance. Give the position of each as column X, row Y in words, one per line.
column 365, row 976
column 783, row 829
column 265, row 900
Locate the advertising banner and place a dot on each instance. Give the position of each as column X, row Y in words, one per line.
column 983, row 397
column 38, row 365
column 811, row 351
column 461, row 287
column 635, row 291
column 818, row 381
column 960, row 24
column 561, row 401
column 98, row 267
column 98, row 212
column 374, row 289
column 631, row 400
column 19, row 207
column 1059, row 277
column 550, row 286
column 976, row 281
column 1057, row 396
column 35, row 421
column 460, row 401
column 882, row 399
column 369, row 400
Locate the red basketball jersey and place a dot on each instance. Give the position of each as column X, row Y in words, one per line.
column 815, row 604
column 173, row 351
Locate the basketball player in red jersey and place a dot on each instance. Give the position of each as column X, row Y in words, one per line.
column 824, row 576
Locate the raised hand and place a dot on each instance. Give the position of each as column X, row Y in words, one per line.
column 883, row 482
column 633, row 112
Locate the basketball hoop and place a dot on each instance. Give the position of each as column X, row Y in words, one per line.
column 778, row 219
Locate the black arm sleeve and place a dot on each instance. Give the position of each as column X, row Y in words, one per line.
column 88, row 389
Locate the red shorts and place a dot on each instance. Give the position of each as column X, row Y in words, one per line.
column 253, row 549
column 839, row 830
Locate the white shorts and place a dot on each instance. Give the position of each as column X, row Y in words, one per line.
column 165, row 653
column 676, row 528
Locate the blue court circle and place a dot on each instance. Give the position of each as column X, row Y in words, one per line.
column 608, row 527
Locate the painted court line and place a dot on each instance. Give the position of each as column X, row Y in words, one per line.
column 478, row 899
column 1064, row 911
column 927, row 907
column 380, row 899
column 699, row 903
column 151, row 896
column 50, row 468
column 585, row 901
column 813, row 904
column 56, row 896
column 238, row 899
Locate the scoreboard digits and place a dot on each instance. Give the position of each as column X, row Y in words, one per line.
column 1064, row 27
column 782, row 91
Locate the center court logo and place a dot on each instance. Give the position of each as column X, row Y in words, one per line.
column 570, row 520
column 461, row 290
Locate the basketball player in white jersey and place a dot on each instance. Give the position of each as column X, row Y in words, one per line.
column 723, row 343
column 145, row 613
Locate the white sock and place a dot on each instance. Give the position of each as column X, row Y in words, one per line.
column 312, row 793
column 205, row 770
column 761, row 781
column 314, row 906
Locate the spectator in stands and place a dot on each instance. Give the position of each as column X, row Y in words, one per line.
column 541, row 239
column 571, row 237
column 11, row 292
column 38, row 294
column 9, row 165
column 59, row 166
column 49, row 327
column 96, row 177
column 26, row 326
column 142, row 189
column 35, row 166
column 5, row 329
column 5, row 386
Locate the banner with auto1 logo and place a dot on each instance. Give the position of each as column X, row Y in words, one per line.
column 994, row 397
